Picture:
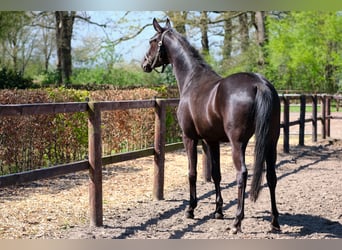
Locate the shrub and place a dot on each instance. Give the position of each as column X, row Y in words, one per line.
column 50, row 78
column 30, row 142
column 120, row 77
column 35, row 141
column 10, row 79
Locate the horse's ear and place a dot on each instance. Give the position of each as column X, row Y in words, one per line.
column 168, row 23
column 157, row 26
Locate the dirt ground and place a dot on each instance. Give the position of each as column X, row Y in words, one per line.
column 309, row 199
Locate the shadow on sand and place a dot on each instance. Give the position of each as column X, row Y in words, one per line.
column 307, row 224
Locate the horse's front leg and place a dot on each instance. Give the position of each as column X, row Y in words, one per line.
column 191, row 150
column 214, row 151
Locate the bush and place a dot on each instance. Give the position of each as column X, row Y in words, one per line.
column 50, row 78
column 119, row 77
column 35, row 141
column 31, row 142
column 10, row 79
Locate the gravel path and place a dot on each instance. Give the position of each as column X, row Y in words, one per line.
column 309, row 196
column 309, row 199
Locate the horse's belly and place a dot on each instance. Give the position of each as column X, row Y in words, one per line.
column 212, row 132
column 200, row 124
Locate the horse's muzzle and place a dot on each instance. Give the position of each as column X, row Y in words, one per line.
column 146, row 65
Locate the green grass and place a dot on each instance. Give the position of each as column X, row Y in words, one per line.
column 308, row 108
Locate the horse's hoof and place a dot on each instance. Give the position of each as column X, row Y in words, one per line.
column 189, row 214
column 236, row 230
column 275, row 229
column 218, row 216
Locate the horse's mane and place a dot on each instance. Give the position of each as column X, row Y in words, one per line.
column 191, row 49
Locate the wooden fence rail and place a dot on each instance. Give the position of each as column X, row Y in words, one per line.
column 324, row 118
column 95, row 159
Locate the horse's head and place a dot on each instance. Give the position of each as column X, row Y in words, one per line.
column 156, row 55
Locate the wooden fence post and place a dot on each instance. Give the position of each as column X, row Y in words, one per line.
column 327, row 116
column 323, row 104
column 286, row 118
column 95, row 162
column 314, row 118
column 159, row 149
column 302, row 120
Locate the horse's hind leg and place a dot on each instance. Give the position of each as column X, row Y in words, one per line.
column 214, row 149
column 238, row 154
column 271, row 177
column 191, row 150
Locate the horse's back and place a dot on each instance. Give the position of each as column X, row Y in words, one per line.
column 242, row 82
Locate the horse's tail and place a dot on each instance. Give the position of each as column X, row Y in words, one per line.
column 263, row 110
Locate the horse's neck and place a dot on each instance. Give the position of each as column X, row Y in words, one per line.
column 186, row 68
column 183, row 73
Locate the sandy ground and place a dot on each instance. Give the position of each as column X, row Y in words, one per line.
column 309, row 195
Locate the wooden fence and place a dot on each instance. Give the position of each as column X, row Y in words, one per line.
column 95, row 159
column 303, row 101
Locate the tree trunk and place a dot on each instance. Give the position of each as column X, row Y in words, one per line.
column 243, row 21
column 14, row 55
column 330, row 68
column 260, row 27
column 228, row 39
column 204, row 33
column 47, row 43
column 64, row 28
column 261, row 36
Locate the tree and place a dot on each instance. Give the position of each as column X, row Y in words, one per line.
column 304, row 51
column 45, row 21
column 261, row 36
column 240, row 49
column 244, row 31
column 18, row 39
column 64, row 27
column 204, row 32
column 179, row 19
column 227, row 47
column 10, row 20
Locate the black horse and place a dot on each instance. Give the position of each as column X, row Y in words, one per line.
column 215, row 109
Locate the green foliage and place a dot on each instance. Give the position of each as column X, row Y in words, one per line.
column 63, row 94
column 117, row 76
column 10, row 21
column 246, row 61
column 16, row 40
column 50, row 77
column 9, row 79
column 173, row 131
column 304, row 51
column 167, row 77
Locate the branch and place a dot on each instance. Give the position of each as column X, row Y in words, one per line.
column 87, row 19
column 40, row 17
column 129, row 37
column 224, row 17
